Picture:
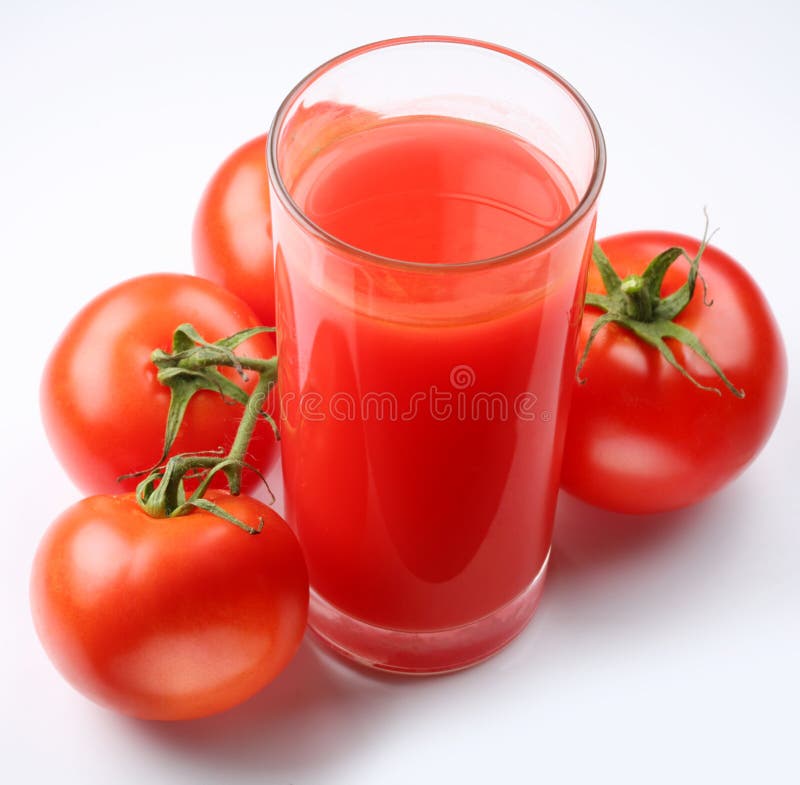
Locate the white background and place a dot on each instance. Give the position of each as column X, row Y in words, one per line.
column 665, row 649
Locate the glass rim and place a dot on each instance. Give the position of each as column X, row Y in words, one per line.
column 583, row 206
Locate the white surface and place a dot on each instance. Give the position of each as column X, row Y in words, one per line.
column 664, row 650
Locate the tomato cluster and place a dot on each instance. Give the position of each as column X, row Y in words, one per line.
column 144, row 595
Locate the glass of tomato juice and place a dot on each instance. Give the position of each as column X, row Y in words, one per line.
column 433, row 212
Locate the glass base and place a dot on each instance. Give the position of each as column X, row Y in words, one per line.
column 424, row 653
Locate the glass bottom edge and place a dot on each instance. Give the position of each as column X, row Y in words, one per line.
column 424, row 653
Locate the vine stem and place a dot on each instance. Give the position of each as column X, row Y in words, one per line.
column 253, row 410
column 193, row 366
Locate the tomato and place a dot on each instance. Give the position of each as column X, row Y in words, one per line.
column 103, row 407
column 643, row 438
column 168, row 618
column 232, row 234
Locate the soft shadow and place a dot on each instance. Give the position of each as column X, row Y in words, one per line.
column 587, row 538
column 634, row 565
column 588, row 541
column 625, row 571
column 317, row 710
column 617, row 581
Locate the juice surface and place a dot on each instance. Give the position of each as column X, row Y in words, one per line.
column 421, row 414
column 434, row 189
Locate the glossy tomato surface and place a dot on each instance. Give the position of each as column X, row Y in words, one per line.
column 641, row 437
column 232, row 234
column 168, row 618
column 104, row 409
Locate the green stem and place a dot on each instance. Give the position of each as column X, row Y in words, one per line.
column 638, row 302
column 191, row 367
column 252, row 412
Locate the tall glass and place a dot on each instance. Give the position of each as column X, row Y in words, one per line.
column 424, row 400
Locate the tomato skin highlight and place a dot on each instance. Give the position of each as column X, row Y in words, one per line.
column 641, row 437
column 232, row 232
column 168, row 619
column 103, row 408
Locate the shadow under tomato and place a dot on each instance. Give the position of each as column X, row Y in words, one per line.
column 586, row 537
column 588, row 541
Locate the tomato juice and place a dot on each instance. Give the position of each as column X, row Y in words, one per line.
column 423, row 397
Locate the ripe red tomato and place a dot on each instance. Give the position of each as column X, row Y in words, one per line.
column 105, row 411
column 168, row 618
column 641, row 437
column 232, row 235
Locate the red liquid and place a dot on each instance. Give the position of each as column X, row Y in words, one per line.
column 414, row 516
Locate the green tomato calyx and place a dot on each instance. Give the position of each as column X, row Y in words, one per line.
column 636, row 304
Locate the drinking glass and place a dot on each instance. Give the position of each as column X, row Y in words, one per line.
column 424, row 403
